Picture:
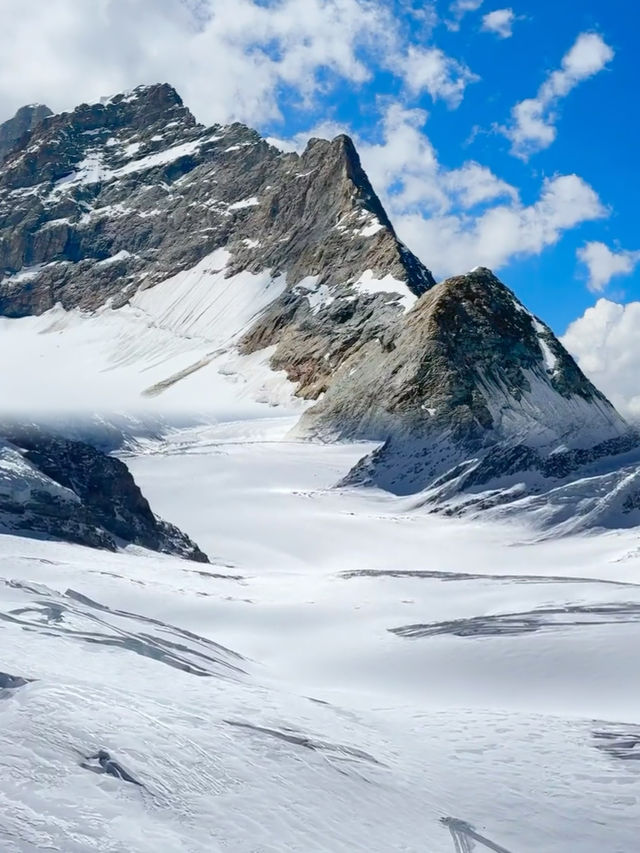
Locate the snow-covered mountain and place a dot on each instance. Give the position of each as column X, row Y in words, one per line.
column 348, row 674
column 150, row 260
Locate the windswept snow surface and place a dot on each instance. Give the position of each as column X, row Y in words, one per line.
column 171, row 349
column 346, row 676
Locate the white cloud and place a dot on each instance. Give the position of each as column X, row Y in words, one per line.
column 228, row 60
column 606, row 345
column 603, row 263
column 500, row 22
column 232, row 62
column 533, row 120
column 458, row 9
column 461, row 240
column 431, row 70
column 404, row 167
column 423, row 14
column 455, row 219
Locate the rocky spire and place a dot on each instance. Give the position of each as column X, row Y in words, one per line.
column 468, row 360
column 22, row 122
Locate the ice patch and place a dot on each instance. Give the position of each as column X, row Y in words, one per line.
column 370, row 229
column 92, row 168
column 317, row 297
column 320, row 298
column 202, row 302
column 245, row 202
column 131, row 149
column 550, row 360
column 119, row 256
column 367, row 283
column 172, row 348
column 25, row 274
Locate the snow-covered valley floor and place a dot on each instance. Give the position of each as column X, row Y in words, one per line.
column 347, row 675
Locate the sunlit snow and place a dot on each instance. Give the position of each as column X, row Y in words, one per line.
column 349, row 673
column 344, row 677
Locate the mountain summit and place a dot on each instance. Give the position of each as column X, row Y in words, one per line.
column 23, row 122
column 201, row 243
column 113, row 196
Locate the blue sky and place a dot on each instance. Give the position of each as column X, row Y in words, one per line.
column 428, row 91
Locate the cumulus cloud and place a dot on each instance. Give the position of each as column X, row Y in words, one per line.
column 404, row 166
column 228, row 60
column 532, row 126
column 458, row 9
column 492, row 238
column 603, row 263
column 455, row 219
column 242, row 61
column 431, row 70
column 500, row 22
column 423, row 14
column 606, row 345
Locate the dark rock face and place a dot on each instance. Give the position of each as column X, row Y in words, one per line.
column 468, row 371
column 22, row 123
column 137, row 183
column 11, row 682
column 96, row 502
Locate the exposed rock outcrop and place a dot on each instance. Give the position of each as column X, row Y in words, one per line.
column 69, row 490
column 120, row 195
column 475, row 401
column 13, row 130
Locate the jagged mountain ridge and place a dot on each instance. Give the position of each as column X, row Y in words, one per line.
column 138, row 175
column 114, row 198
column 132, row 203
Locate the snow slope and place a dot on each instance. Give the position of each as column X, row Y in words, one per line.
column 347, row 677
column 170, row 350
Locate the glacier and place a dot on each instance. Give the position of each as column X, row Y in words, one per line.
column 268, row 702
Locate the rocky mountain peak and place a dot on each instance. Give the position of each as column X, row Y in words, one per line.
column 480, row 320
column 23, row 122
column 154, row 97
column 342, row 151
column 123, row 194
column 66, row 139
column 145, row 108
column 467, row 369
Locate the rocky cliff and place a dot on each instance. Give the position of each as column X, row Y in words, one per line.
column 68, row 490
column 112, row 197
